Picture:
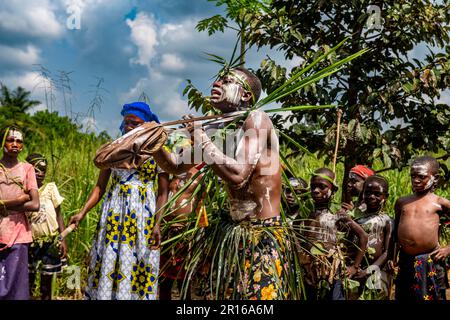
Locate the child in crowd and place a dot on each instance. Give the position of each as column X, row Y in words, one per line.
column 326, row 267
column 172, row 261
column 421, row 259
column 295, row 190
column 374, row 281
column 46, row 225
column 356, row 178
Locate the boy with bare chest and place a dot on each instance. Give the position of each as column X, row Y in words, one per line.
column 421, row 273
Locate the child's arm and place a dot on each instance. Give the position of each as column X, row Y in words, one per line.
column 12, row 203
column 95, row 196
column 28, row 202
column 161, row 200
column 61, row 227
column 393, row 248
column 443, row 252
column 363, row 238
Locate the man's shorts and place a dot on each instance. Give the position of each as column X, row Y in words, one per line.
column 45, row 258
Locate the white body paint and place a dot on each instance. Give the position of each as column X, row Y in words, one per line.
column 267, row 197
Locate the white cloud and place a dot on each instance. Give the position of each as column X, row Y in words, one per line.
column 172, row 62
column 30, row 18
column 163, row 92
column 144, row 36
column 19, row 57
column 30, row 82
column 26, row 80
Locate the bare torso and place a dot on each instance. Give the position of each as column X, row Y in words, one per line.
column 260, row 196
column 418, row 225
column 184, row 205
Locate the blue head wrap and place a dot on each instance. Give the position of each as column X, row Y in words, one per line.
column 139, row 109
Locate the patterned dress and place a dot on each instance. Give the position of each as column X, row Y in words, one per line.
column 122, row 265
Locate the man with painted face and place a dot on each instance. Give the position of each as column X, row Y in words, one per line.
column 18, row 194
column 421, row 274
column 321, row 231
column 252, row 176
column 125, row 254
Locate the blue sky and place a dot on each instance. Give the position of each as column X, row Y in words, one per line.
column 135, row 46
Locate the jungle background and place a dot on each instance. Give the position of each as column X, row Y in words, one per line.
column 390, row 104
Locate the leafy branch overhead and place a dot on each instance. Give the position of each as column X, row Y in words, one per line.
column 385, row 97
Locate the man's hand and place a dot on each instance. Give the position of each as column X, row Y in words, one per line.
column 441, row 253
column 156, row 237
column 76, row 219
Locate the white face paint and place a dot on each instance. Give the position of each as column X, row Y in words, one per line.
column 329, row 193
column 231, row 89
column 420, row 169
column 15, row 134
column 232, row 93
column 430, row 183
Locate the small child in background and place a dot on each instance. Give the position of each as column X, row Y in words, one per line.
column 374, row 280
column 46, row 225
column 325, row 272
column 356, row 178
column 296, row 188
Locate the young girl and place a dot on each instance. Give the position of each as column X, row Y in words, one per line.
column 18, row 194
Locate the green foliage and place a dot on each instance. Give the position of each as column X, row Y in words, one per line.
column 387, row 86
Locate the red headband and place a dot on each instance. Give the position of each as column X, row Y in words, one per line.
column 362, row 171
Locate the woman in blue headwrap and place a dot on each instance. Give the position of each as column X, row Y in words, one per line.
column 125, row 253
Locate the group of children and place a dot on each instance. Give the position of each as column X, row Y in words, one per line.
column 348, row 254
column 352, row 253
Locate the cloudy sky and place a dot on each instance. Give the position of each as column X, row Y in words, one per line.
column 135, row 46
column 128, row 46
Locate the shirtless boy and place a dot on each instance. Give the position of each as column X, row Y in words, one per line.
column 421, row 273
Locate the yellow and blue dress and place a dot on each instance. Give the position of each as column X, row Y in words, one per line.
column 123, row 267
